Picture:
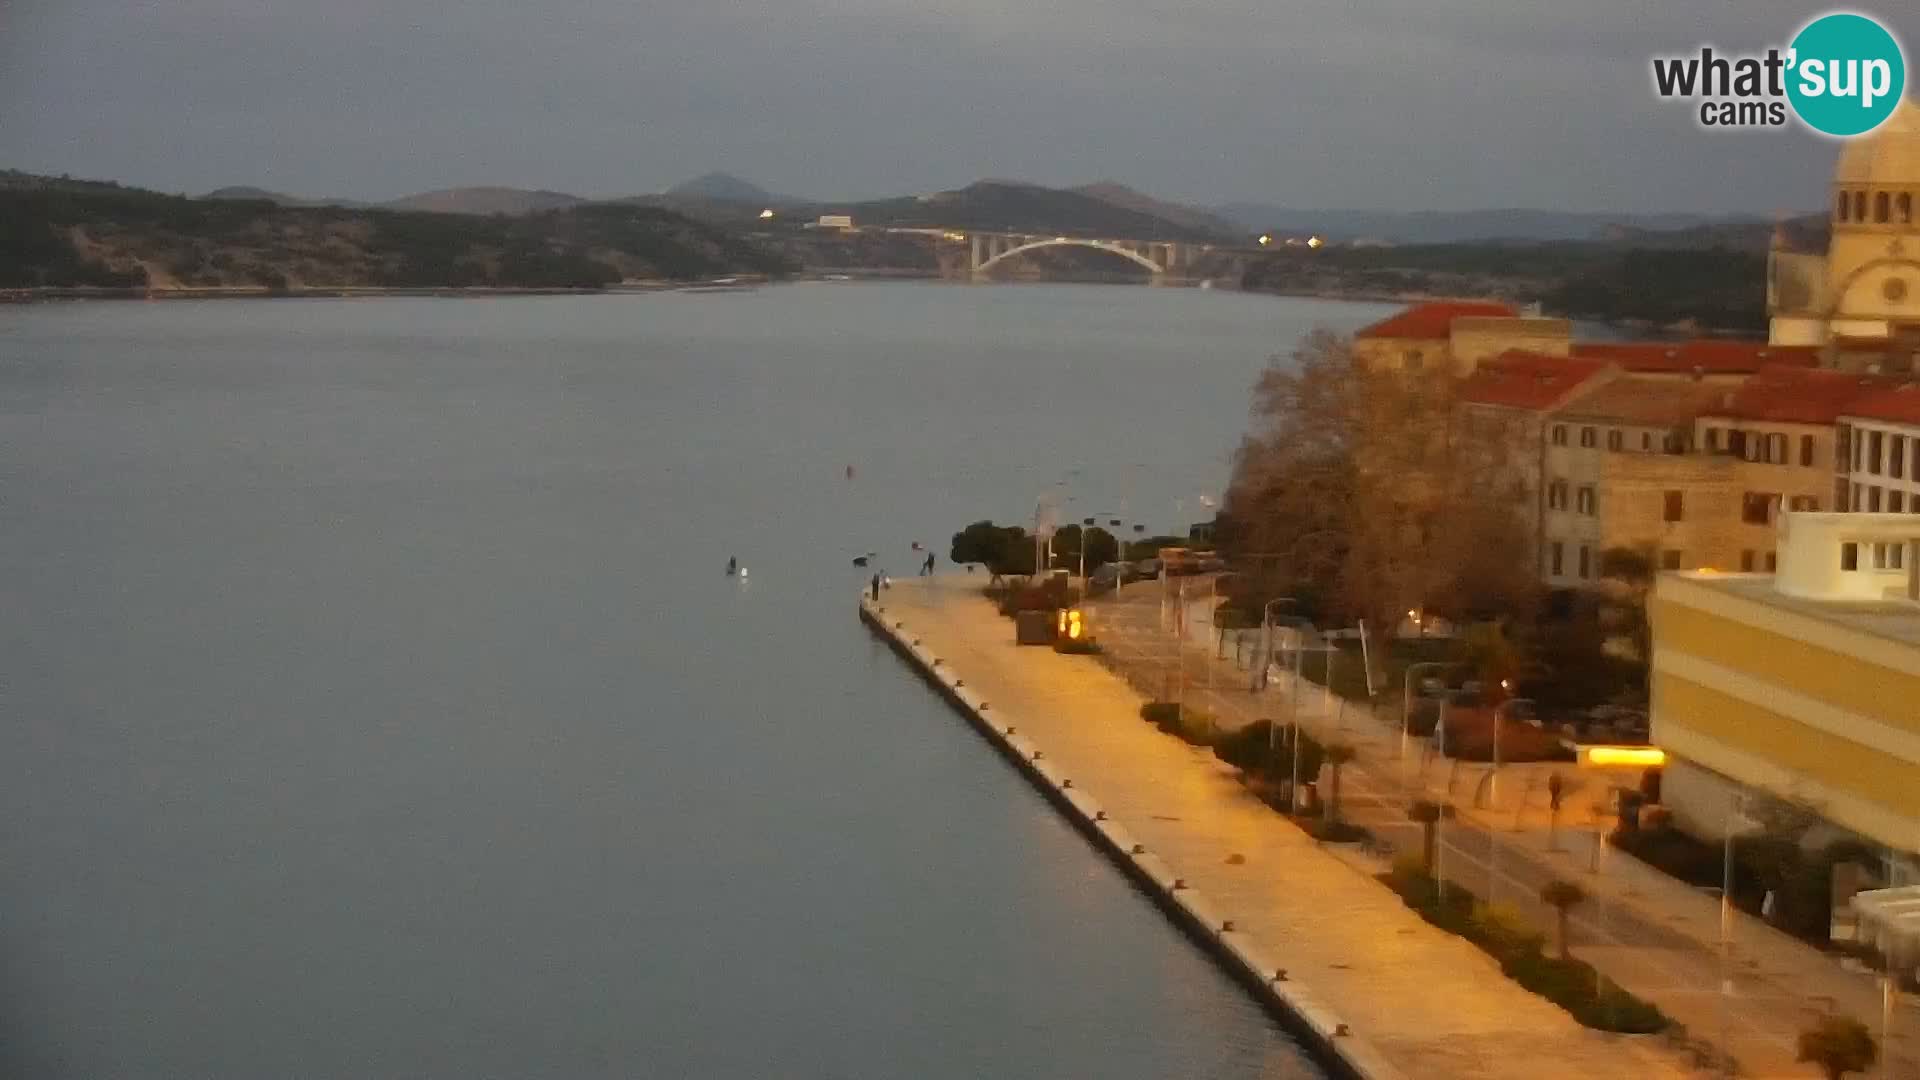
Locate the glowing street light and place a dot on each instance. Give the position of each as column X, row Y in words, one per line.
column 1265, row 239
column 1315, row 242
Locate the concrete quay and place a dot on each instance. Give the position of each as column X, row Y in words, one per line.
column 1333, row 954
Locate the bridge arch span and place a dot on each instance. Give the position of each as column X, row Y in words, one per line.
column 1071, row 241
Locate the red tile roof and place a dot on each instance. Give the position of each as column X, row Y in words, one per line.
column 1527, row 380
column 1900, row 405
column 1710, row 357
column 1795, row 395
column 1432, row 321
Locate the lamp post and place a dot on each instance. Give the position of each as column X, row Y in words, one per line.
column 1499, row 716
column 1266, row 640
column 1086, row 526
column 1406, row 701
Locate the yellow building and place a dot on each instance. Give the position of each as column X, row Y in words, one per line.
column 1860, row 299
column 1804, row 684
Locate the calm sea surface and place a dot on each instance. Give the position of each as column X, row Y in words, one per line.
column 373, row 703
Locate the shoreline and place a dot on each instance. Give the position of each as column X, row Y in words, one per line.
column 1327, row 1039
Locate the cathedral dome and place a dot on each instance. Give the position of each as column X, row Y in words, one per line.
column 1887, row 157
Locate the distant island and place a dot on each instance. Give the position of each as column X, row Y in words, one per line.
column 1651, row 270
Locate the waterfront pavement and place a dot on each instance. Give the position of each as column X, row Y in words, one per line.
column 1652, row 934
column 1430, row 1003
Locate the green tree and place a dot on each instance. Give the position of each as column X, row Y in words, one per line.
column 1001, row 549
column 1562, row 896
column 1838, row 1045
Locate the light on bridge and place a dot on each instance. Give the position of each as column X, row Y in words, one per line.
column 1315, row 242
column 1265, row 239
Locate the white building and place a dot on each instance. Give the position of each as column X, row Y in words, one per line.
column 1880, row 451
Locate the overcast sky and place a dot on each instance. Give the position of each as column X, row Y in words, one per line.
column 1423, row 104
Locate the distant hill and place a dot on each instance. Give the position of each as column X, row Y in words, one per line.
column 1191, row 217
column 67, row 233
column 1018, row 207
column 246, row 193
column 1458, row 226
column 1809, row 232
column 485, row 200
column 725, row 187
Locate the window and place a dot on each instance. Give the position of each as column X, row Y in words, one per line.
column 1806, row 451
column 1915, row 471
column 1559, row 434
column 1896, row 501
column 1882, row 207
column 1849, row 556
column 1554, row 557
column 1586, row 561
column 1670, row 559
column 1842, row 447
column 1859, row 206
column 1897, row 457
column 1856, row 502
column 1876, row 444
column 1903, row 208
column 1800, row 503
column 1889, row 556
column 1746, row 561
column 1676, row 443
column 1587, row 500
column 1737, row 443
column 1756, row 507
column 1589, row 437
column 1840, row 207
column 1676, row 506
column 1616, row 440
column 1773, row 562
column 1873, row 499
column 1557, row 495
column 1777, row 449
column 1646, row 440
column 1713, row 440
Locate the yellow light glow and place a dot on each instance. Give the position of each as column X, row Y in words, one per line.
column 1605, row 757
column 1706, row 571
column 1265, row 239
column 1314, row 241
column 764, row 214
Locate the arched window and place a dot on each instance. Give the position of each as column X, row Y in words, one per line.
column 1880, row 207
column 1859, row 206
column 1840, row 207
column 1903, row 208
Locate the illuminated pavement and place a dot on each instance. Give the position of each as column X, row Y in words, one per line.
column 1651, row 934
column 1430, row 1002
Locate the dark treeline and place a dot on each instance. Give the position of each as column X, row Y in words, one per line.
column 66, row 235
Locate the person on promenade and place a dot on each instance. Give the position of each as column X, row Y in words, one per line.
column 733, row 566
column 876, row 588
column 927, row 570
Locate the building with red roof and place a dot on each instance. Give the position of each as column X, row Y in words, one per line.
column 1456, row 336
column 1881, row 433
column 1703, row 358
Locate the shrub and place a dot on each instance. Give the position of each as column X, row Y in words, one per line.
column 1195, row 726
column 1261, row 749
column 1838, row 1045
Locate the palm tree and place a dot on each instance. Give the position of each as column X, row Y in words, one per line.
column 1838, row 1045
column 1427, row 813
column 1563, row 895
column 1337, row 754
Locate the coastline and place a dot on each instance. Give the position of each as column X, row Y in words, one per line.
column 1335, row 956
column 1283, row 997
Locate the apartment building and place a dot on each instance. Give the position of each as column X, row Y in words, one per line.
column 1801, row 684
column 1879, row 446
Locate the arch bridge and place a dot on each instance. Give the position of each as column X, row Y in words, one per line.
column 1160, row 258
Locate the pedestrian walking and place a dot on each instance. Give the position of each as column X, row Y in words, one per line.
column 928, row 569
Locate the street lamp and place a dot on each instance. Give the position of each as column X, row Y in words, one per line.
column 1499, row 715
column 1266, row 640
column 1406, row 701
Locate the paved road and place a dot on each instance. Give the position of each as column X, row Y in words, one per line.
column 1661, row 947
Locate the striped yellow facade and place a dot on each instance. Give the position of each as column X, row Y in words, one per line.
column 1843, row 680
column 1774, row 700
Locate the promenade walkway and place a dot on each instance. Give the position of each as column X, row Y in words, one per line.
column 1656, row 936
column 1429, row 1002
